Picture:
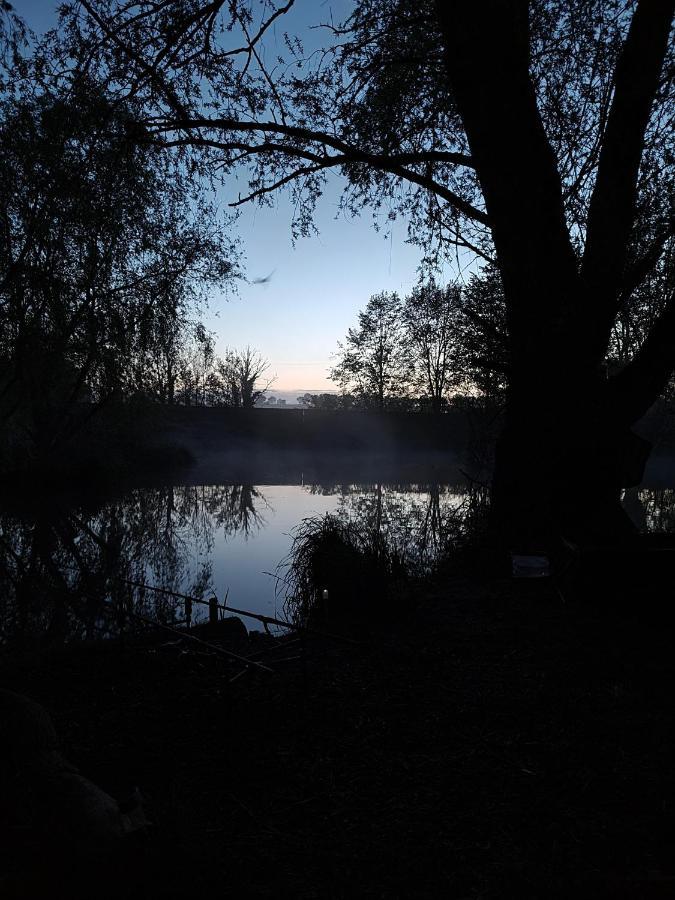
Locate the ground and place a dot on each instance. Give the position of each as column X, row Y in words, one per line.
column 488, row 740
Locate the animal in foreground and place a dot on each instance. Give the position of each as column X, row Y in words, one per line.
column 41, row 792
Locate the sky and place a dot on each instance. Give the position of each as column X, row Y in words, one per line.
column 317, row 287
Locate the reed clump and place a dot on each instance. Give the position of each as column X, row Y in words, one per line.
column 338, row 565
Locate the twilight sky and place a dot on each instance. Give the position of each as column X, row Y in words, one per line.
column 316, row 288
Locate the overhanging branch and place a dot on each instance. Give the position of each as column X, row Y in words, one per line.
column 311, row 136
column 397, row 164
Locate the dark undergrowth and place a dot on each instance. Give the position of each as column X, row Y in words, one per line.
column 496, row 743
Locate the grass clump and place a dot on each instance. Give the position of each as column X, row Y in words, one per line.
column 358, row 566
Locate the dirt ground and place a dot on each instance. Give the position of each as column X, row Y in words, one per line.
column 488, row 741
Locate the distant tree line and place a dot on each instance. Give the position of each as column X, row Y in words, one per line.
column 203, row 378
column 449, row 344
column 419, row 351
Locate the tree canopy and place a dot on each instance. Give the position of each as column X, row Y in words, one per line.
column 106, row 252
column 552, row 158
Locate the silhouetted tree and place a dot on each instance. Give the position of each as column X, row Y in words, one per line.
column 372, row 364
column 429, row 336
column 481, row 360
column 235, row 380
column 439, row 340
column 198, row 370
column 102, row 262
column 245, row 374
column 537, row 157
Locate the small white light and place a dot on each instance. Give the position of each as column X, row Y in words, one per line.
column 324, row 594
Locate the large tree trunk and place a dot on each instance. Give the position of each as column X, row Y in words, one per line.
column 561, row 464
column 565, row 451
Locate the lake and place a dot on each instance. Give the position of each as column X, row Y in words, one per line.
column 67, row 569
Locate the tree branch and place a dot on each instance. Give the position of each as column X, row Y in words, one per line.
column 310, row 135
column 612, row 206
column 519, row 178
column 638, row 385
column 270, row 188
column 165, row 90
column 263, row 28
column 636, row 274
column 395, row 164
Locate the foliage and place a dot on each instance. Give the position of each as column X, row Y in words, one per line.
column 245, row 376
column 237, row 379
column 105, row 253
column 380, row 537
column 13, row 34
column 354, row 563
column 429, row 332
column 327, row 401
column 417, row 353
column 481, row 335
column 372, row 102
column 553, row 159
column 372, row 363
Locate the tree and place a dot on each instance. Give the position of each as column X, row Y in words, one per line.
column 566, row 427
column 330, row 402
column 539, row 159
column 102, row 262
column 371, row 363
column 439, row 339
column 481, row 360
column 244, row 373
column 429, row 317
column 236, row 380
column 198, row 377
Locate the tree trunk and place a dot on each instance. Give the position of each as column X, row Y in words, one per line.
column 561, row 464
column 566, row 450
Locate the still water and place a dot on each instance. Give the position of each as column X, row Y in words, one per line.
column 67, row 570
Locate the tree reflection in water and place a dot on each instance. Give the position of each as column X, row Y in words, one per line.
column 419, row 521
column 64, row 573
column 424, row 521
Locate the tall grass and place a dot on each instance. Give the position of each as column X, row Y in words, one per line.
column 363, row 566
column 353, row 562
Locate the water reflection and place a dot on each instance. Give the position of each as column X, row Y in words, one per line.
column 418, row 520
column 65, row 573
column 65, row 570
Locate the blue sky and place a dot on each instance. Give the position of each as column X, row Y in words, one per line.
column 316, row 288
